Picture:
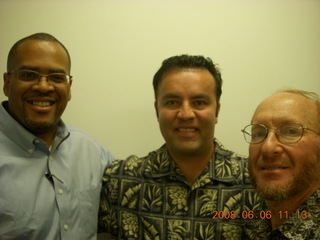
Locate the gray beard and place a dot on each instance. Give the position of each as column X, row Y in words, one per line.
column 304, row 179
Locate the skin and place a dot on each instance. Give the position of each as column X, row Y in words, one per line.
column 25, row 99
column 285, row 174
column 187, row 113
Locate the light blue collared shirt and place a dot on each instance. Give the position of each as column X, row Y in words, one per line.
column 35, row 206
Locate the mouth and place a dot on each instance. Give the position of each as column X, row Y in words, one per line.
column 273, row 168
column 41, row 103
column 186, row 129
column 187, row 132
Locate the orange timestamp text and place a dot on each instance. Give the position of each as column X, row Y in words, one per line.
column 257, row 215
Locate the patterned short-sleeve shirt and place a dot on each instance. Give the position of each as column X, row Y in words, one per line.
column 303, row 224
column 149, row 198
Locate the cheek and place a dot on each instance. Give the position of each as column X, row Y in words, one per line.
column 254, row 153
column 15, row 93
column 164, row 114
column 208, row 116
column 64, row 94
column 305, row 149
column 164, row 118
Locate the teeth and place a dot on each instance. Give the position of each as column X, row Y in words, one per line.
column 41, row 104
column 186, row 129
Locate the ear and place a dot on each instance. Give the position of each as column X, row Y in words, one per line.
column 156, row 108
column 6, row 84
column 217, row 112
column 70, row 89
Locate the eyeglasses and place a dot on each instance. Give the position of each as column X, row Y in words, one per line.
column 286, row 133
column 33, row 77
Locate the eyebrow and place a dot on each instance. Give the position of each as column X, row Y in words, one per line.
column 26, row 67
column 174, row 96
column 170, row 95
column 201, row 96
column 51, row 70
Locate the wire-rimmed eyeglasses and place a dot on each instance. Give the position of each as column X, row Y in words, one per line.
column 286, row 133
column 33, row 77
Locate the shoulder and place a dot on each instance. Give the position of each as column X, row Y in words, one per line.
column 132, row 165
column 137, row 166
column 81, row 136
column 85, row 142
column 78, row 132
column 224, row 154
column 222, row 150
column 226, row 160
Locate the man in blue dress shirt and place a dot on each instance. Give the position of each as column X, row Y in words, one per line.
column 50, row 172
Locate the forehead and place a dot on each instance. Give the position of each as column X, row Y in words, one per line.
column 286, row 107
column 187, row 80
column 38, row 52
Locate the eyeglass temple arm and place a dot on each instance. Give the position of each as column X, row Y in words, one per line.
column 312, row 130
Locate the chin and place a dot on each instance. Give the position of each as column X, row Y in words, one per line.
column 273, row 191
column 41, row 126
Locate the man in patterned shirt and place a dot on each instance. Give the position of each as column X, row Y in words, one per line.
column 284, row 164
column 192, row 187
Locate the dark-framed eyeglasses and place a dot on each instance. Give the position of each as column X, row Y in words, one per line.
column 286, row 133
column 33, row 77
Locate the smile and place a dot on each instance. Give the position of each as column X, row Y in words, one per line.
column 186, row 130
column 41, row 104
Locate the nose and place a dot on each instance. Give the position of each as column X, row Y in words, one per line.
column 43, row 85
column 186, row 112
column 271, row 145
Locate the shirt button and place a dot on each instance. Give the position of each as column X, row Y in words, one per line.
column 60, row 191
column 66, row 227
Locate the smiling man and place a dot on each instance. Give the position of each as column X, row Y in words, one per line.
column 50, row 172
column 284, row 164
column 192, row 187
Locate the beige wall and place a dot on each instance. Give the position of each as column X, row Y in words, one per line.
column 116, row 46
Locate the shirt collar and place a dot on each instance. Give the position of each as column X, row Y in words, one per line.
column 159, row 164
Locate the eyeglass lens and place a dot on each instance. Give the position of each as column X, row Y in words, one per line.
column 286, row 133
column 32, row 76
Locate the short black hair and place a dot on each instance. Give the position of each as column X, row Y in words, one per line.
column 186, row 61
column 36, row 36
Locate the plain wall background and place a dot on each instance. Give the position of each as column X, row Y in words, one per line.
column 116, row 46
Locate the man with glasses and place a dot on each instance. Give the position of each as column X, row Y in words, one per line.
column 284, row 164
column 192, row 187
column 50, row 172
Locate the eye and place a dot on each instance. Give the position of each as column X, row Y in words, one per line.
column 58, row 78
column 170, row 103
column 27, row 75
column 200, row 102
column 258, row 132
column 290, row 131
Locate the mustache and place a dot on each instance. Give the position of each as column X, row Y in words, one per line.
column 279, row 162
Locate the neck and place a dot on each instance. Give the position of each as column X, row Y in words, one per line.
column 47, row 137
column 192, row 165
column 281, row 210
